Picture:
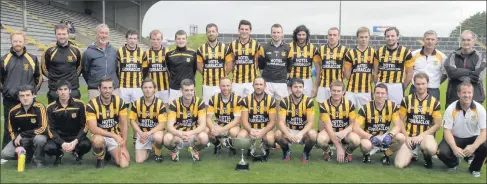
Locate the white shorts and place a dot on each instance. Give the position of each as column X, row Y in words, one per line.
column 323, row 94
column 395, row 92
column 209, row 91
column 130, row 95
column 185, row 144
column 173, row 94
column 308, row 87
column 147, row 145
column 242, row 90
column 163, row 95
column 110, row 143
column 359, row 99
column 277, row 90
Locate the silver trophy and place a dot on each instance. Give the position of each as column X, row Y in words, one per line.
column 242, row 144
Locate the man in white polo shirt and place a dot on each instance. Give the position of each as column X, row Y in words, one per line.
column 430, row 61
column 464, row 131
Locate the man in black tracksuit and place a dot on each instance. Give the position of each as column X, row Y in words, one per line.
column 17, row 68
column 62, row 61
column 67, row 125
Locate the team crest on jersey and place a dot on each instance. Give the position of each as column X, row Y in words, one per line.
column 435, row 63
column 147, row 114
column 283, row 54
column 188, row 60
column 73, row 115
column 70, row 59
column 26, row 67
column 33, row 120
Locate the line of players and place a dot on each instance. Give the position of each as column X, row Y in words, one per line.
column 279, row 62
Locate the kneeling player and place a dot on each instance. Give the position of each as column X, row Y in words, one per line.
column 422, row 112
column 339, row 113
column 106, row 117
column 259, row 117
column 186, row 123
column 376, row 118
column 148, row 116
column 225, row 107
column 296, row 120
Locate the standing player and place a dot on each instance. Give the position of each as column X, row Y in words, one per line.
column 421, row 111
column 67, row 125
column 430, row 61
column 211, row 58
column 259, row 117
column 296, row 121
column 181, row 64
column 358, row 65
column 157, row 69
column 244, row 53
column 62, row 61
column 106, row 118
column 303, row 54
column 332, row 55
column 395, row 65
column 186, row 123
column 131, row 67
column 27, row 123
column 148, row 117
column 338, row 113
column 225, row 108
column 376, row 117
column 276, row 65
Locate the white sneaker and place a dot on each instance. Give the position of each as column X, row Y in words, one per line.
column 3, row 161
column 476, row 174
column 374, row 150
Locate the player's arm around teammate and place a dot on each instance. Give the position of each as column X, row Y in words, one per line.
column 144, row 114
column 425, row 105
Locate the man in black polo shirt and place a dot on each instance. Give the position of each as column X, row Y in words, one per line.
column 275, row 64
column 67, row 125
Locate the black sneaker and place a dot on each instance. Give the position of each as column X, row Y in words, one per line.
column 40, row 165
column 218, row 149
column 233, row 151
column 327, row 155
column 79, row 159
column 366, row 159
column 100, row 163
column 59, row 160
column 158, row 158
column 385, row 160
column 428, row 162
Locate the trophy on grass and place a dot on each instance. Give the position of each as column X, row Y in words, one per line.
column 241, row 144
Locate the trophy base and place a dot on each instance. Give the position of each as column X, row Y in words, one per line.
column 244, row 167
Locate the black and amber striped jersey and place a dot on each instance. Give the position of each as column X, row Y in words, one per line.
column 244, row 57
column 302, row 59
column 297, row 113
column 340, row 116
column 362, row 65
column 258, row 110
column 213, row 59
column 186, row 116
column 377, row 121
column 148, row 117
column 331, row 64
column 419, row 113
column 106, row 115
column 393, row 63
column 157, row 69
column 225, row 112
column 27, row 123
column 131, row 67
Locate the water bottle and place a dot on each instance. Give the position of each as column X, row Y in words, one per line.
column 21, row 162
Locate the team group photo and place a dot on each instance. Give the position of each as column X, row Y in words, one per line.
column 106, row 104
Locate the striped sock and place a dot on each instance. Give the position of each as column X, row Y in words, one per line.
column 388, row 152
column 100, row 155
column 157, row 151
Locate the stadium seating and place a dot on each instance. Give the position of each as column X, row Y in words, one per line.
column 445, row 44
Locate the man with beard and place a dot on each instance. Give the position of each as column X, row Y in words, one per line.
column 18, row 67
column 259, row 118
column 62, row 61
column 211, row 61
column 395, row 65
column 131, row 67
column 225, row 108
column 303, row 54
